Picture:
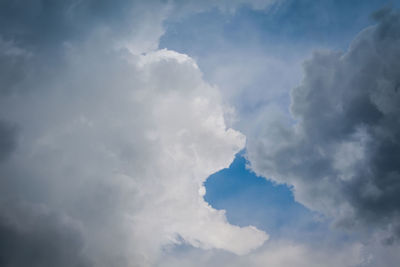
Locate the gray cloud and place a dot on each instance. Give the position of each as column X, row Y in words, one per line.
column 32, row 236
column 106, row 141
column 343, row 152
column 8, row 139
column 45, row 23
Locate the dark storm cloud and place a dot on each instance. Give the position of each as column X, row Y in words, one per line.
column 32, row 236
column 45, row 23
column 8, row 136
column 33, row 32
column 13, row 66
column 343, row 154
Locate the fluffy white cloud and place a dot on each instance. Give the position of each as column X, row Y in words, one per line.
column 277, row 254
column 107, row 138
column 285, row 253
column 121, row 145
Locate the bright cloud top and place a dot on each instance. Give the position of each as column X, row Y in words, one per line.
column 135, row 138
column 108, row 144
column 106, row 140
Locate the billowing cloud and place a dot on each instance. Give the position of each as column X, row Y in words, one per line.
column 105, row 140
column 342, row 151
column 124, row 149
column 277, row 254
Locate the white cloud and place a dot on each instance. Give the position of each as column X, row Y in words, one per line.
column 275, row 254
column 103, row 129
column 122, row 144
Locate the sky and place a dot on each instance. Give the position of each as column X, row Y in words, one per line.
column 199, row 133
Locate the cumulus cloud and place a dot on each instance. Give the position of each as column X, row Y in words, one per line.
column 124, row 149
column 342, row 150
column 105, row 141
column 277, row 254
